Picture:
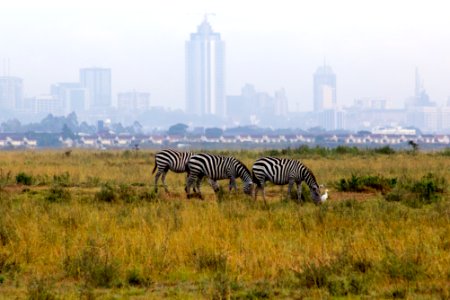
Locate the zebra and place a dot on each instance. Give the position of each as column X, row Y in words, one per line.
column 169, row 159
column 217, row 167
column 281, row 171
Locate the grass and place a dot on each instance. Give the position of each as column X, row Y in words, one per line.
column 89, row 225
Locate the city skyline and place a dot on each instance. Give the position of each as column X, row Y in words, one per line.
column 373, row 47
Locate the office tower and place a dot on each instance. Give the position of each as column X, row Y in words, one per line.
column 98, row 83
column 11, row 93
column 421, row 97
column 205, row 72
column 324, row 88
column 133, row 101
column 73, row 97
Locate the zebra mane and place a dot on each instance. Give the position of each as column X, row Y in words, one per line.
column 244, row 166
column 312, row 176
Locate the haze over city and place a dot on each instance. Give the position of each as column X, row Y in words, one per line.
column 373, row 47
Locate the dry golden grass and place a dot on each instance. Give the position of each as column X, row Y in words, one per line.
column 144, row 245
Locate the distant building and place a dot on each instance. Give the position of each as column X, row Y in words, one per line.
column 332, row 119
column 281, row 103
column 420, row 98
column 45, row 104
column 205, row 72
column 98, row 83
column 73, row 97
column 369, row 103
column 11, row 93
column 254, row 104
column 133, row 101
column 324, row 88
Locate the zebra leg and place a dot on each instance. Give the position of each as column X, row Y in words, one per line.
column 264, row 194
column 198, row 182
column 163, row 179
column 232, row 184
column 190, row 180
column 214, row 184
column 156, row 180
column 299, row 191
column 291, row 183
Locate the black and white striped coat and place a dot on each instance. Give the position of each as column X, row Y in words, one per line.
column 281, row 171
column 172, row 160
column 217, row 167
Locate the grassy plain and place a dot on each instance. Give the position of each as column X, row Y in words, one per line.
column 87, row 224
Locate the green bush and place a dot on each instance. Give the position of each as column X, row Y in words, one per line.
column 135, row 277
column 107, row 193
column 366, row 183
column 384, row 150
column 428, row 189
column 23, row 178
column 58, row 193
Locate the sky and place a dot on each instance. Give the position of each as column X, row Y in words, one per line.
column 372, row 46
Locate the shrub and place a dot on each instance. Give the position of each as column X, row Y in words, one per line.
column 366, row 183
column 428, row 189
column 107, row 193
column 135, row 277
column 384, row 150
column 58, row 193
column 23, row 178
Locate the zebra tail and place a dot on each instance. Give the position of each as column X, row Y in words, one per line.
column 154, row 169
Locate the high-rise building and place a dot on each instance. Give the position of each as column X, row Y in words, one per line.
column 420, row 98
column 324, row 88
column 205, row 72
column 73, row 97
column 133, row 101
column 98, row 83
column 11, row 93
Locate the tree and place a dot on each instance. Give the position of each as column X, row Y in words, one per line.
column 177, row 129
column 213, row 132
column 67, row 133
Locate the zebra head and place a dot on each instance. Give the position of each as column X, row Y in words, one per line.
column 246, row 177
column 248, row 187
column 315, row 193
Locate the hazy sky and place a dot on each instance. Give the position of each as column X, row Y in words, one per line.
column 372, row 46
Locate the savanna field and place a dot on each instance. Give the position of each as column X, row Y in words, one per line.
column 89, row 225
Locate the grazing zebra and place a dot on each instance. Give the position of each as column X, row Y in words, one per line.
column 282, row 171
column 169, row 159
column 217, row 167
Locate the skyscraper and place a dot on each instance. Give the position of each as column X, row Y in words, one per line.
column 324, row 88
column 205, row 72
column 98, row 83
column 11, row 93
column 72, row 96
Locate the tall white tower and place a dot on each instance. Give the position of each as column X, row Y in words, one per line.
column 205, row 72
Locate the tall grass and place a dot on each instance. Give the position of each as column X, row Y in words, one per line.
column 71, row 236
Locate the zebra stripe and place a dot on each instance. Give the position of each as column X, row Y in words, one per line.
column 281, row 171
column 217, row 167
column 172, row 160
